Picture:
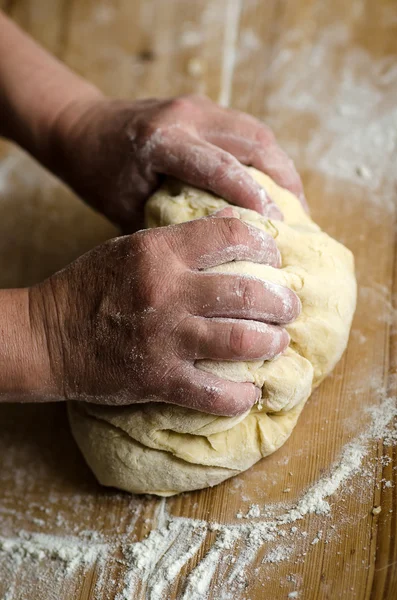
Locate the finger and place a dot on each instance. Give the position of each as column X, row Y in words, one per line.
column 209, row 242
column 202, row 391
column 231, row 339
column 226, row 295
column 253, row 143
column 274, row 162
column 228, row 211
column 205, row 166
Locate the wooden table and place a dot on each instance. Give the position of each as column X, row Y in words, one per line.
column 324, row 76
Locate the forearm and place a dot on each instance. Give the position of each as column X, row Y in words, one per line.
column 24, row 367
column 35, row 88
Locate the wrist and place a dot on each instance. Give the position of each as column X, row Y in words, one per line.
column 64, row 128
column 54, row 127
column 35, row 89
column 25, row 373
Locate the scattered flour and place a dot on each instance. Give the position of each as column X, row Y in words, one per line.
column 357, row 144
column 247, row 539
column 71, row 551
column 318, row 537
column 161, row 556
column 278, row 554
column 254, row 512
column 154, row 564
column 356, row 137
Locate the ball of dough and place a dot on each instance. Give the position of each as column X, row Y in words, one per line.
column 165, row 449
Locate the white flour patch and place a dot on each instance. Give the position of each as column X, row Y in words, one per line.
column 355, row 138
column 72, row 552
column 44, row 562
column 157, row 561
column 278, row 554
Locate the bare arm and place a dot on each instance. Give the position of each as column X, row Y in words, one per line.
column 25, row 372
column 34, row 89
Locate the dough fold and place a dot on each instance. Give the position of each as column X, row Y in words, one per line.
column 165, row 449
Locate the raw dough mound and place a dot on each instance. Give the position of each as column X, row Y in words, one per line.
column 164, row 449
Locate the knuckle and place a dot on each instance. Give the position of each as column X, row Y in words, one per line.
column 215, row 395
column 147, row 129
column 247, row 290
column 143, row 242
column 214, row 398
column 193, row 334
column 151, row 292
column 240, row 341
column 265, row 136
column 226, row 403
column 234, row 231
column 224, row 166
column 147, row 257
column 221, row 399
column 185, row 103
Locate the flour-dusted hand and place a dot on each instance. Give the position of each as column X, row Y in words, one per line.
column 126, row 321
column 113, row 153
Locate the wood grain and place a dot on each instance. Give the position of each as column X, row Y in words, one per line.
column 323, row 75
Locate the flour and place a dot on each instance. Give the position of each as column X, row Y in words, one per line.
column 356, row 139
column 47, row 561
column 155, row 564
column 246, row 540
column 71, row 552
column 280, row 553
column 200, row 579
column 254, row 512
column 318, row 537
column 355, row 143
column 161, row 557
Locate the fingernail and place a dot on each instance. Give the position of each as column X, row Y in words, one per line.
column 273, row 212
column 303, row 201
column 269, row 209
column 227, row 211
column 258, row 394
column 265, row 200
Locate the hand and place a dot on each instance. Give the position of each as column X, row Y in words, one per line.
column 113, row 153
column 126, row 322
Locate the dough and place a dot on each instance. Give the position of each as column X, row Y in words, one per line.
column 164, row 449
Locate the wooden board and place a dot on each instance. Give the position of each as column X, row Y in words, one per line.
column 324, row 76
